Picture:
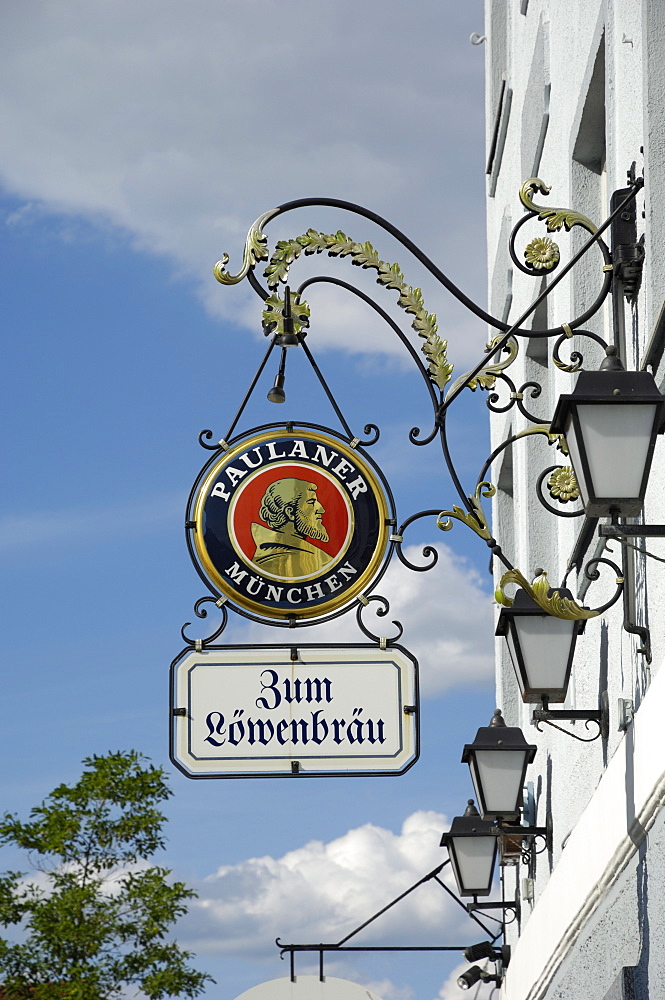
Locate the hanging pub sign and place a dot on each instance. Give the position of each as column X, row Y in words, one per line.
column 272, row 711
column 289, row 523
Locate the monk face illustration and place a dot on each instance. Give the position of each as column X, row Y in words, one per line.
column 293, row 513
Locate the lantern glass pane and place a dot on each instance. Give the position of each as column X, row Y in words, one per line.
column 475, row 861
column 617, row 438
column 510, row 641
column 499, row 773
column 578, row 468
column 545, row 643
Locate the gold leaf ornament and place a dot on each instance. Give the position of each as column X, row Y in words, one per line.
column 273, row 314
column 562, row 485
column 256, row 249
column 542, row 253
column 557, row 439
column 486, row 377
column 556, row 218
column 550, row 600
column 389, row 275
column 475, row 518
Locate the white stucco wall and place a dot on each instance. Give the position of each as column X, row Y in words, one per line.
column 605, row 797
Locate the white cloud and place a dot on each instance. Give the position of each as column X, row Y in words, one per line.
column 322, row 891
column 445, row 612
column 180, row 124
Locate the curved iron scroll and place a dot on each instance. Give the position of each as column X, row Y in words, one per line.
column 381, row 612
column 202, row 612
column 548, row 506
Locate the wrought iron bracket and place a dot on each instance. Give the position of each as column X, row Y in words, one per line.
column 291, row 949
column 503, row 829
column 598, row 715
column 513, row 905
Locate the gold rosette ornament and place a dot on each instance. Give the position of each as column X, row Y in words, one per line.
column 542, row 253
column 562, row 484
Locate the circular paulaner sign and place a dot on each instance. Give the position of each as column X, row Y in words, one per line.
column 290, row 523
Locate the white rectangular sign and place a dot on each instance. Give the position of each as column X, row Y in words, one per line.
column 295, row 710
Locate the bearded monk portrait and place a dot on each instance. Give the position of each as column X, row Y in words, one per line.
column 293, row 512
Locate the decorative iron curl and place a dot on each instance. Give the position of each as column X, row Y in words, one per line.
column 374, row 431
column 381, row 612
column 544, row 502
column 415, row 431
column 201, row 612
column 567, row 732
column 516, row 397
column 204, row 437
column 576, row 359
column 592, row 573
column 429, row 551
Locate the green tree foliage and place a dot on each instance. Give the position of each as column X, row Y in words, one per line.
column 94, row 917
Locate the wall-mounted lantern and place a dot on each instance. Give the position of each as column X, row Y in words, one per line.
column 610, row 421
column 472, row 848
column 498, row 759
column 541, row 647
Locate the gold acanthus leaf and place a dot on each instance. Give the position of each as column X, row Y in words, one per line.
column 273, row 314
column 556, row 218
column 546, row 598
column 486, row 377
column 474, row 518
column 256, row 249
column 558, row 439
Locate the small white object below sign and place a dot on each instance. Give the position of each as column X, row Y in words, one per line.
column 309, row 988
column 272, row 711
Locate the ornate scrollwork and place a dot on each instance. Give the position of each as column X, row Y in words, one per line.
column 381, row 612
column 576, row 359
column 389, row 275
column 474, row 518
column 256, row 249
column 204, row 437
column 429, row 552
column 516, row 397
column 592, row 573
column 274, row 319
column 556, row 218
column 375, row 433
column 202, row 612
column 559, row 477
column 544, row 596
column 557, row 439
column 486, row 377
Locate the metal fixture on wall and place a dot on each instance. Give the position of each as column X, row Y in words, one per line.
column 542, row 648
column 498, row 759
column 472, row 848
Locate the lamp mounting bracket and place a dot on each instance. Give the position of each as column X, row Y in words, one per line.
column 600, row 716
column 631, row 530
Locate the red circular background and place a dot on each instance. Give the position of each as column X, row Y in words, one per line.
column 248, row 502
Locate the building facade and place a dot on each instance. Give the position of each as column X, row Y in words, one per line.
column 576, row 97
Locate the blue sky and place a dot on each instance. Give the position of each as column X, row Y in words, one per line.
column 142, row 142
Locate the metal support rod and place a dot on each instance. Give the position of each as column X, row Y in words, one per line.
column 249, row 392
column 425, row 878
column 632, row 530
